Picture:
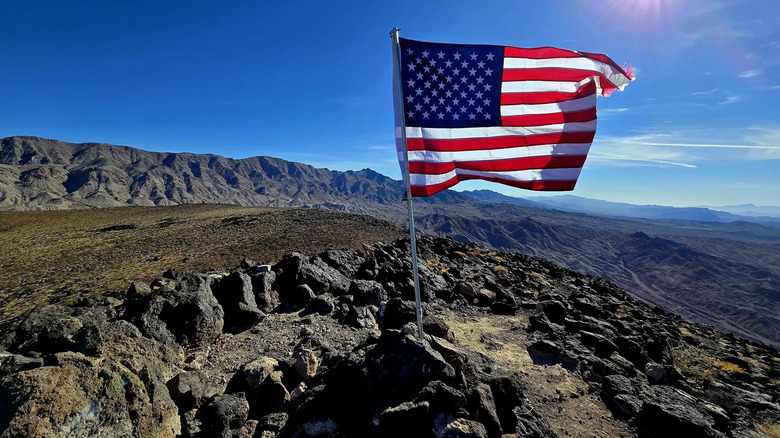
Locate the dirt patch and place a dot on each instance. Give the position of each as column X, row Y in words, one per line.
column 559, row 395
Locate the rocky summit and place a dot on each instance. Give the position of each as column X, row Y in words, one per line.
column 326, row 346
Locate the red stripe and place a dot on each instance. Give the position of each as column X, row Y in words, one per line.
column 508, row 165
column 545, row 74
column 546, row 97
column 549, row 119
column 472, row 144
column 558, row 186
column 539, row 53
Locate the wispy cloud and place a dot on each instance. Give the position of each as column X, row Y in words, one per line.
column 612, row 111
column 750, row 73
column 686, row 148
column 705, row 93
column 712, row 146
column 730, row 98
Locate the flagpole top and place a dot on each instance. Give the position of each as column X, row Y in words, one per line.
column 394, row 31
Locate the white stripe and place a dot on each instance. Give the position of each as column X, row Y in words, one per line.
column 562, row 149
column 542, row 86
column 580, row 104
column 583, row 63
column 570, row 174
column 413, row 132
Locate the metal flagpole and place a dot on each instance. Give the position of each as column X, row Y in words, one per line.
column 407, row 180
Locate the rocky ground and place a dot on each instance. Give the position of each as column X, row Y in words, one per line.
column 326, row 345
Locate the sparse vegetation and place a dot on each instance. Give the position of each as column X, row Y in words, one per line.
column 770, row 430
column 500, row 270
column 695, row 363
column 59, row 256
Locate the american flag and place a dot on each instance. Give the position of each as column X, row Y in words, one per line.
column 522, row 117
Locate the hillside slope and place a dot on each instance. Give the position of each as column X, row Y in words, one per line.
column 725, row 274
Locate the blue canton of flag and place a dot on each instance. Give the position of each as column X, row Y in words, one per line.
column 448, row 85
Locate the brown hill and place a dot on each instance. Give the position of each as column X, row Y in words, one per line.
column 725, row 274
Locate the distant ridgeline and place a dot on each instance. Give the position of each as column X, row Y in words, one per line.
column 725, row 274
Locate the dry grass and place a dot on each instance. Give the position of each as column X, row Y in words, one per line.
column 501, row 271
column 770, row 430
column 695, row 363
column 59, row 256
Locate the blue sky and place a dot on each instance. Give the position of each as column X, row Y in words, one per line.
column 311, row 82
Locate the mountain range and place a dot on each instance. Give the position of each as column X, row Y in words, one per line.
column 714, row 270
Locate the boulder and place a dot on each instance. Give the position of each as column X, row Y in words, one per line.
column 396, row 313
column 189, row 314
column 224, row 416
column 555, row 310
column 484, row 407
column 445, row 426
column 187, row 390
column 361, row 317
column 367, row 292
column 234, row 293
column 668, row 409
column 306, row 363
column 82, row 396
column 266, row 297
column 399, row 366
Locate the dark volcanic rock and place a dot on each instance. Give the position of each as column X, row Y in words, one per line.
column 234, row 294
column 189, row 314
column 400, row 366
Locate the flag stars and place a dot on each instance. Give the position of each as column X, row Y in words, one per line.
column 432, row 80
